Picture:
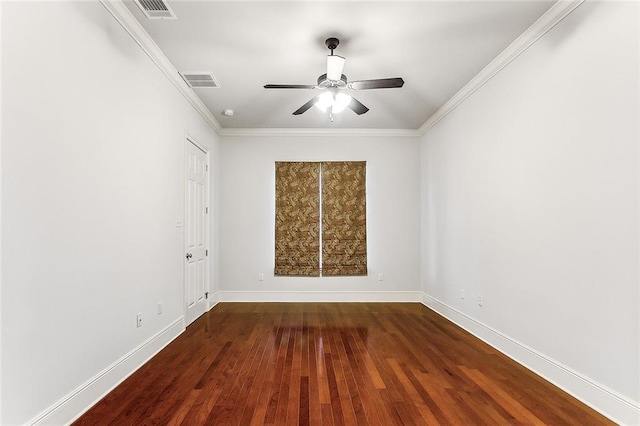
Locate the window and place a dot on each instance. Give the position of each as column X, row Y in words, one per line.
column 321, row 202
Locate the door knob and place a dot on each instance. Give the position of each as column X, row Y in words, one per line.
column 189, row 255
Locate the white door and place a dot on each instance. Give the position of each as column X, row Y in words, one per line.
column 196, row 227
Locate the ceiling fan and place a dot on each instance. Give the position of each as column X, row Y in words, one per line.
column 335, row 87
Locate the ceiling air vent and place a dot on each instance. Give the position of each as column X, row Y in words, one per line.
column 200, row 80
column 156, row 9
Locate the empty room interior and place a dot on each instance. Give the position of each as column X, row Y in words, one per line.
column 147, row 150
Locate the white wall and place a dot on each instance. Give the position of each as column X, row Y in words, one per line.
column 530, row 199
column 247, row 191
column 92, row 183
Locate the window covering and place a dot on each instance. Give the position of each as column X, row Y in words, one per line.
column 299, row 228
column 297, row 239
column 344, row 218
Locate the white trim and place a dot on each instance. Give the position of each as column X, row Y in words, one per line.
column 607, row 401
column 550, row 19
column 144, row 40
column 226, row 132
column 86, row 395
column 189, row 137
column 214, row 299
column 319, row 296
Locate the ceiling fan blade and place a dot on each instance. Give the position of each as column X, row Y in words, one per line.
column 289, row 86
column 382, row 83
column 357, row 106
column 306, row 106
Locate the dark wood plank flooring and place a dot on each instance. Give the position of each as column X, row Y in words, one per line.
column 333, row 364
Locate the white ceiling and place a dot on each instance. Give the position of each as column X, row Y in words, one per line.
column 436, row 46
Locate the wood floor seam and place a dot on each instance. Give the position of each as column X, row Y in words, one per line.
column 333, row 364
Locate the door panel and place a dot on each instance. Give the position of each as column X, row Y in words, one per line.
column 196, row 190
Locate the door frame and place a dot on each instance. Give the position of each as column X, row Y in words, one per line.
column 189, row 139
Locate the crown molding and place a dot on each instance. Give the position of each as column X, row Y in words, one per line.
column 546, row 22
column 239, row 132
column 550, row 19
column 144, row 40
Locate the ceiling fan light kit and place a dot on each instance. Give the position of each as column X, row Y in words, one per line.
column 333, row 102
column 335, row 86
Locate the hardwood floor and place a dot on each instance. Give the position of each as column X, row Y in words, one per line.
column 333, row 364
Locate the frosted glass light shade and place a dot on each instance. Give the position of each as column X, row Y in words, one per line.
column 336, row 101
column 340, row 102
column 325, row 101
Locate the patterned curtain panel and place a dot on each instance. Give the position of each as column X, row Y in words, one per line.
column 297, row 219
column 344, row 213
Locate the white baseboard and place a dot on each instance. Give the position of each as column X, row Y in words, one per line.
column 319, row 296
column 214, row 299
column 618, row 408
column 85, row 396
column 611, row 404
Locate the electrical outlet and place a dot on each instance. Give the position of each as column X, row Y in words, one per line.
column 139, row 320
column 380, row 277
column 159, row 308
column 480, row 301
column 462, row 294
column 260, row 277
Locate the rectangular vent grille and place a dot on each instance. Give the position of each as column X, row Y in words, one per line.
column 156, row 9
column 200, row 80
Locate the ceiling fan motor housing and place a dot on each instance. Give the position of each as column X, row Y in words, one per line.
column 324, row 82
